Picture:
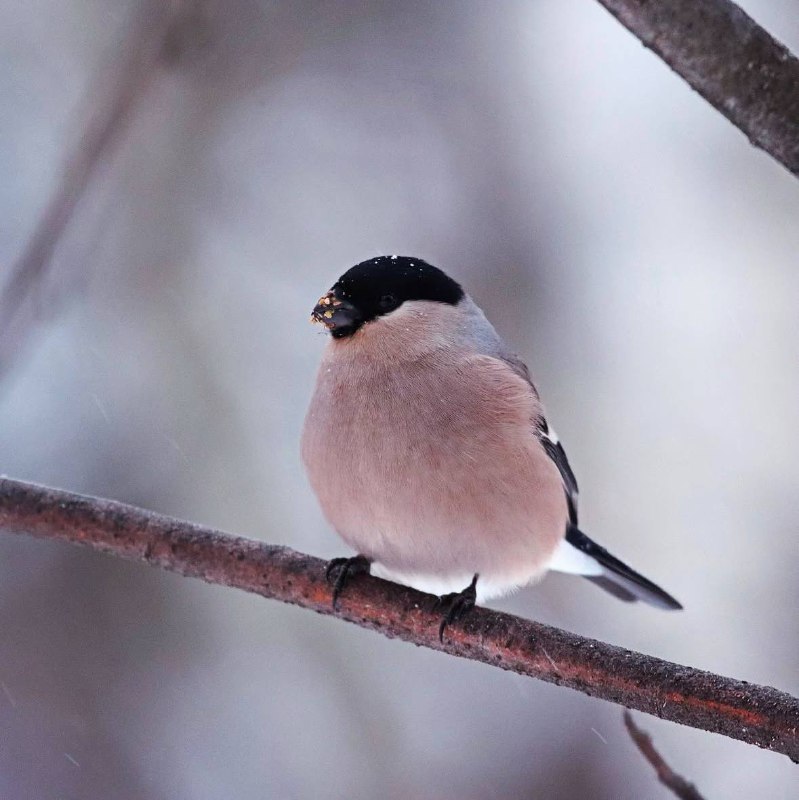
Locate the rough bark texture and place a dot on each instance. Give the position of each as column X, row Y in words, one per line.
column 730, row 60
column 755, row 714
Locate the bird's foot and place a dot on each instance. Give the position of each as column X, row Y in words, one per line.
column 458, row 605
column 340, row 570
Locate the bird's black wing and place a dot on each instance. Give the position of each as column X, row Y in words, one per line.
column 555, row 451
column 548, row 439
column 615, row 576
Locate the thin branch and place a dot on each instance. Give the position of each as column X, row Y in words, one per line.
column 682, row 788
column 755, row 714
column 154, row 39
column 737, row 66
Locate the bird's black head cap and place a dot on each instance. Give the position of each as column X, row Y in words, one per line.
column 379, row 286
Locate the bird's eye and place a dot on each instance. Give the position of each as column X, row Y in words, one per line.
column 388, row 302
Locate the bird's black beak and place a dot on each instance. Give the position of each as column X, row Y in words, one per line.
column 339, row 316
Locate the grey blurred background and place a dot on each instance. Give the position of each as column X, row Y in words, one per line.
column 620, row 233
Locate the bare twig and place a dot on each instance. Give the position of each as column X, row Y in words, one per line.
column 153, row 39
column 740, row 69
column 682, row 788
column 755, row 714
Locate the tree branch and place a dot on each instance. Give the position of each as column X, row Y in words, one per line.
column 154, row 39
column 755, row 714
column 737, row 66
column 682, row 788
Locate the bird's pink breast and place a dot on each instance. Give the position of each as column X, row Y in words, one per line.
column 431, row 465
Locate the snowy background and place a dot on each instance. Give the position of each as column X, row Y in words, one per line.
column 619, row 232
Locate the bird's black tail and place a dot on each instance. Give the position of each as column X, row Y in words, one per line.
column 616, row 577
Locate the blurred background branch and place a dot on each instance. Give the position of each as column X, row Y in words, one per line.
column 159, row 33
column 682, row 788
column 754, row 714
column 737, row 66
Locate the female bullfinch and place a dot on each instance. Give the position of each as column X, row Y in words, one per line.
column 428, row 447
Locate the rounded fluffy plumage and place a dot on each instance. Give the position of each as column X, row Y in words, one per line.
column 428, row 448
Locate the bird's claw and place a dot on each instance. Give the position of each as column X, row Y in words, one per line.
column 458, row 605
column 340, row 570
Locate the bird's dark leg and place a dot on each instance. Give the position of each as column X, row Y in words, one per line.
column 459, row 604
column 340, row 570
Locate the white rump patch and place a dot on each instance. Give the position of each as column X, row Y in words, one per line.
column 568, row 558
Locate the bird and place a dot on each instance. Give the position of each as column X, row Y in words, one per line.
column 429, row 450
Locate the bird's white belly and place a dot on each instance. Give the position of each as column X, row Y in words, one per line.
column 487, row 587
